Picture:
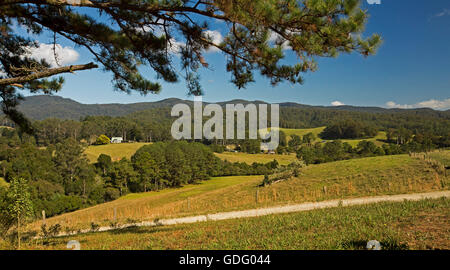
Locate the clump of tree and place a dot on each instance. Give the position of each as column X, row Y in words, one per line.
column 348, row 130
column 169, row 164
column 282, row 173
column 337, row 150
column 59, row 176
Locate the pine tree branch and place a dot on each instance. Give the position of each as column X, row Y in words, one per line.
column 46, row 73
column 143, row 7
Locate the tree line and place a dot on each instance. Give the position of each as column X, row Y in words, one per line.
column 60, row 178
column 154, row 125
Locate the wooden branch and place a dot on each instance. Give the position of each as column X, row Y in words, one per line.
column 46, row 73
column 124, row 6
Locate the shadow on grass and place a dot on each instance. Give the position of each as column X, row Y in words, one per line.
column 388, row 244
column 143, row 230
column 52, row 241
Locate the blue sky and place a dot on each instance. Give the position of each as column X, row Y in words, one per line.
column 411, row 69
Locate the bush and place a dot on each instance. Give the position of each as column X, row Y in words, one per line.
column 111, row 194
column 102, row 139
column 94, row 227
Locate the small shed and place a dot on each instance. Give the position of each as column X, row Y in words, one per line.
column 116, row 140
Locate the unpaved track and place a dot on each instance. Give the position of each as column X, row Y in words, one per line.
column 281, row 209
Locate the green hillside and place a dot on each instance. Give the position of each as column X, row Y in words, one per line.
column 343, row 179
column 397, row 226
column 378, row 140
column 259, row 158
column 116, row 151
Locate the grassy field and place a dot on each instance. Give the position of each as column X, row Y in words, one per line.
column 260, row 158
column 378, row 140
column 301, row 132
column 116, row 151
column 405, row 225
column 441, row 156
column 343, row 179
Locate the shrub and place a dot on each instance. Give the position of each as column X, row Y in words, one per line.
column 111, row 194
column 94, row 227
column 102, row 139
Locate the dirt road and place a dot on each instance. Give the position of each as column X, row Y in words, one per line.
column 280, row 209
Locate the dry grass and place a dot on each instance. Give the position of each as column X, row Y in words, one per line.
column 343, row 179
column 301, row 132
column 401, row 225
column 260, row 158
column 378, row 140
column 441, row 156
column 115, row 151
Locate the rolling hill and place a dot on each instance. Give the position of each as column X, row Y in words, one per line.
column 336, row 180
column 65, row 108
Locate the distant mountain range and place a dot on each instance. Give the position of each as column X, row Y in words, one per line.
column 45, row 106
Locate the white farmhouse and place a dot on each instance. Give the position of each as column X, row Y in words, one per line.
column 116, row 140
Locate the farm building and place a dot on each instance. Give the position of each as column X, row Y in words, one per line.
column 116, row 140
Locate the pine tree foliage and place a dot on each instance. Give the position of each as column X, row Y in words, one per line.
column 123, row 36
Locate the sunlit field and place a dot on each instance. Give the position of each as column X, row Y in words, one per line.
column 260, row 158
column 301, row 132
column 441, row 156
column 343, row 179
column 116, row 151
column 401, row 225
column 378, row 140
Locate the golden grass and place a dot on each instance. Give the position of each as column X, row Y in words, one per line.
column 378, row 140
column 441, row 156
column 260, row 158
column 342, row 179
column 401, row 225
column 303, row 131
column 116, row 151
column 151, row 205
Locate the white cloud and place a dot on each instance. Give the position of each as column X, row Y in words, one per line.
column 337, row 103
column 65, row 55
column 432, row 103
column 445, row 12
column 175, row 46
column 215, row 37
column 274, row 37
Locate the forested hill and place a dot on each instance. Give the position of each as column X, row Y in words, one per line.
column 43, row 106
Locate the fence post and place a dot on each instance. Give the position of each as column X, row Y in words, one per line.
column 188, row 204
column 43, row 217
column 256, row 196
